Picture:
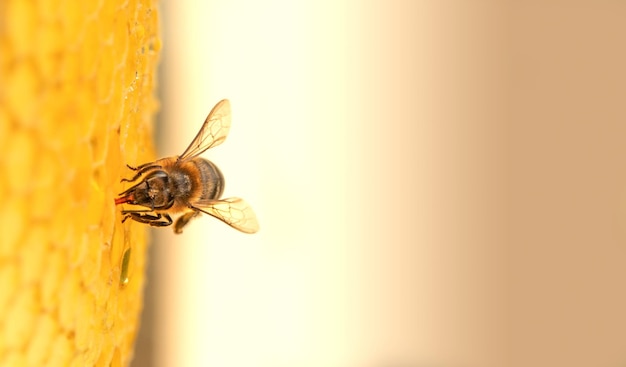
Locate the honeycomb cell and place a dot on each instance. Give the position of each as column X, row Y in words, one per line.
column 19, row 318
column 89, row 49
column 51, row 276
column 14, row 219
column 50, row 47
column 91, row 273
column 9, row 278
column 49, row 10
column 105, row 80
column 5, row 127
column 97, row 204
column 69, row 306
column 73, row 21
column 119, row 38
column 22, row 86
column 84, row 327
column 69, row 67
column 31, row 257
column 40, row 344
column 21, row 23
column 62, row 350
column 21, row 154
column 78, row 252
column 95, row 9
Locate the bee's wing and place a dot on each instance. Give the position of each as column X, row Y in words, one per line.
column 233, row 211
column 212, row 133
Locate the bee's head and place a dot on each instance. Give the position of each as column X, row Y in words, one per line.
column 152, row 192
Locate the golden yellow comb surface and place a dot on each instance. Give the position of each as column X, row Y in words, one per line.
column 77, row 101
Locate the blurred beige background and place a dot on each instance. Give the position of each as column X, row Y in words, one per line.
column 438, row 183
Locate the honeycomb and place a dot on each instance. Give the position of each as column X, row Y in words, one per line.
column 77, row 102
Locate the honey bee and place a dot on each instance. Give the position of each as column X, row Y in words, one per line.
column 188, row 184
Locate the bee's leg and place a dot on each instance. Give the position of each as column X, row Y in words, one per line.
column 141, row 166
column 183, row 220
column 140, row 170
column 143, row 216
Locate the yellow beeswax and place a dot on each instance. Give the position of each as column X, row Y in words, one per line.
column 77, row 102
